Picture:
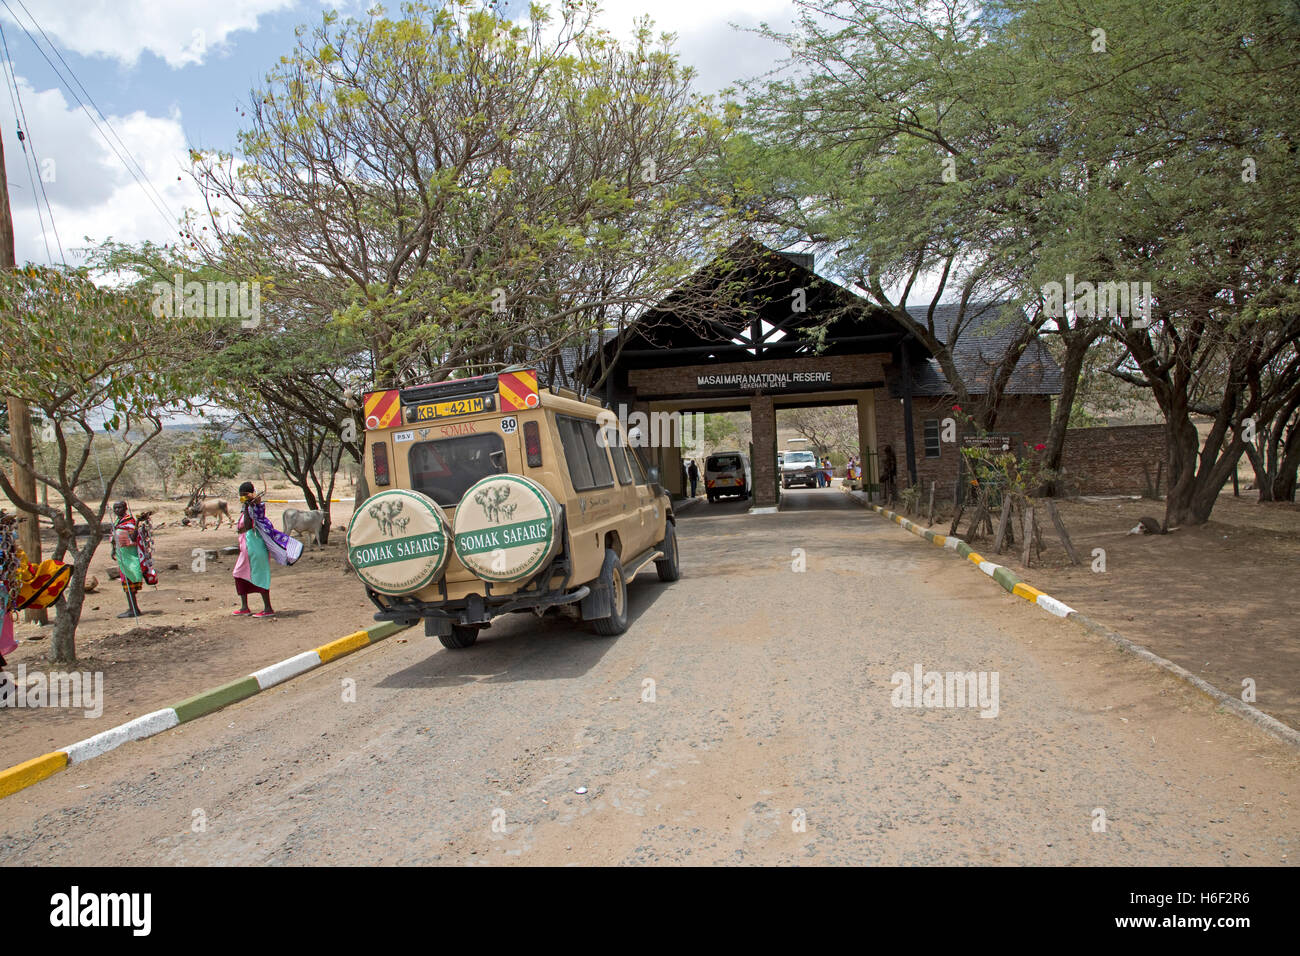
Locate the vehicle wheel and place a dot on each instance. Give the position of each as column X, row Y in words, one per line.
column 667, row 567
column 785, row 485
column 712, row 498
column 460, row 637
column 612, row 577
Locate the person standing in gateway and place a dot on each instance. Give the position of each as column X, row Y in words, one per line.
column 693, row 472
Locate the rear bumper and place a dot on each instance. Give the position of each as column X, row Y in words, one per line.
column 472, row 610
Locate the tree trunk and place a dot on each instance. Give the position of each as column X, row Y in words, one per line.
column 1075, row 353
column 361, row 494
column 63, row 642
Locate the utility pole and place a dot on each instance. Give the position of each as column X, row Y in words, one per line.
column 20, row 421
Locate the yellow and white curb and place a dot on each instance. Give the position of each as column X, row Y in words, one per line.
column 1012, row 583
column 32, row 771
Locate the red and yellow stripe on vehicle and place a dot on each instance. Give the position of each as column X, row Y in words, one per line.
column 518, row 389
column 382, row 408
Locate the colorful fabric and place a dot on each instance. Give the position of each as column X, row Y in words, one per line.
column 283, row 549
column 41, row 584
column 253, row 565
column 244, row 588
column 126, row 551
column 128, row 563
column 145, row 537
column 8, row 644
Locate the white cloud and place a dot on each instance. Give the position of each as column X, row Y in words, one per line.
column 89, row 188
column 180, row 32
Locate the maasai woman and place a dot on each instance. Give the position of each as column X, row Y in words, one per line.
column 259, row 544
column 126, row 552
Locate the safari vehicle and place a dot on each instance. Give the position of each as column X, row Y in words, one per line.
column 491, row 496
column 727, row 473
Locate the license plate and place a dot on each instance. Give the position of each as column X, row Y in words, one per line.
column 461, row 406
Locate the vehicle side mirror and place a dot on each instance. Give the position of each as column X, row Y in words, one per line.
column 654, row 475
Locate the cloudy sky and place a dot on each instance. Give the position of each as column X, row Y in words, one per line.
column 171, row 75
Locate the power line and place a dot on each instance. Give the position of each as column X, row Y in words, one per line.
column 20, row 117
column 159, row 204
column 81, row 86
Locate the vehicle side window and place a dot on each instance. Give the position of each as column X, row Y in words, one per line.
column 639, row 467
column 588, row 462
column 575, row 454
column 617, row 452
column 596, row 454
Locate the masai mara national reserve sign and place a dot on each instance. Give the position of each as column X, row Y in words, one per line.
column 763, row 381
column 506, row 528
column 398, row 541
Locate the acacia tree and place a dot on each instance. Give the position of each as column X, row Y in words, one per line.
column 459, row 189
column 203, row 461
column 89, row 358
column 1015, row 143
column 878, row 147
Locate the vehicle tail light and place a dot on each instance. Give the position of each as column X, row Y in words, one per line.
column 533, row 444
column 379, row 458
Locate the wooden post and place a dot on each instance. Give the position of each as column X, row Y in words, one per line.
column 1061, row 532
column 20, row 422
column 980, row 517
column 1000, row 538
column 931, row 515
column 1027, row 510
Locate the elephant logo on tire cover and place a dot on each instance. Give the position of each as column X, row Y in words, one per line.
column 493, row 502
column 388, row 515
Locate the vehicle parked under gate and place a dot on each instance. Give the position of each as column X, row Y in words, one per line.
column 493, row 496
column 727, row 474
column 799, row 468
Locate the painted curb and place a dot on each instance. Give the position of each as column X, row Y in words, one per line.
column 1011, row 583
column 37, row 769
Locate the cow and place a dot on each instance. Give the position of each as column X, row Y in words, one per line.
column 210, row 508
column 302, row 522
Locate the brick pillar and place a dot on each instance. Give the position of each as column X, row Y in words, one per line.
column 762, row 420
column 867, row 438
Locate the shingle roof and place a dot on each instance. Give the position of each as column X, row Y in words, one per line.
column 986, row 334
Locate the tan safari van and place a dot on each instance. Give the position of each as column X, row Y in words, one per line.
column 490, row 495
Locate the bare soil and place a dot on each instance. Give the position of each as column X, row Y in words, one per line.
column 187, row 640
column 1220, row 599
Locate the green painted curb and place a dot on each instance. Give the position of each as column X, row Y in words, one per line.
column 381, row 631
column 215, row 699
column 963, row 548
column 1005, row 578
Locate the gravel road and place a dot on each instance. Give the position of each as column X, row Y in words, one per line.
column 747, row 716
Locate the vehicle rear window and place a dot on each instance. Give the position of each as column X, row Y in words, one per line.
column 723, row 463
column 445, row 468
column 799, row 456
column 588, row 460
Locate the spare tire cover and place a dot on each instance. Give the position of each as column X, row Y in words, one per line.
column 506, row 528
column 398, row 541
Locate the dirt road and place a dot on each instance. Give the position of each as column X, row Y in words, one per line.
column 769, row 734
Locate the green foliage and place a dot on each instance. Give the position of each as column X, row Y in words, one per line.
column 717, row 428
column 461, row 192
column 204, row 461
column 998, row 147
